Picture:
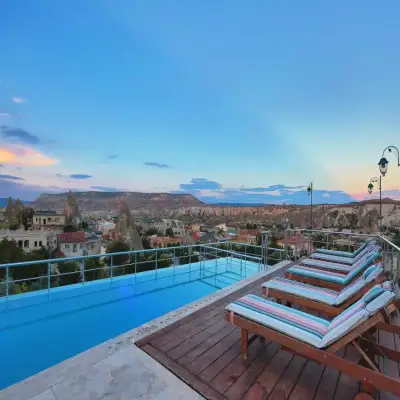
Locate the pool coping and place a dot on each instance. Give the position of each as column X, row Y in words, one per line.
column 44, row 380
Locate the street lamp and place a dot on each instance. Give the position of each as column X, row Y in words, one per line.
column 370, row 189
column 383, row 162
column 310, row 191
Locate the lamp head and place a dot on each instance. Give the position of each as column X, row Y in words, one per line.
column 370, row 187
column 383, row 165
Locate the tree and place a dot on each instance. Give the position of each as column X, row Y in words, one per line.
column 9, row 210
column 72, row 273
column 69, row 228
column 151, row 232
column 122, row 259
column 95, row 264
column 84, row 225
column 25, row 217
column 146, row 242
column 396, row 240
column 169, row 232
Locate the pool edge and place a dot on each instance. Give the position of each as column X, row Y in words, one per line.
column 67, row 369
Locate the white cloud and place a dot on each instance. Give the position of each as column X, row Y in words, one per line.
column 326, row 195
column 19, row 100
column 5, row 114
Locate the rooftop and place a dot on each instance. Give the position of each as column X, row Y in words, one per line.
column 72, row 237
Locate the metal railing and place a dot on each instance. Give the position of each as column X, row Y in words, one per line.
column 301, row 243
column 21, row 277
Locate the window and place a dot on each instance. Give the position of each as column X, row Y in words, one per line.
column 26, row 243
column 35, row 243
column 40, row 243
column 74, row 248
column 66, row 246
column 82, row 246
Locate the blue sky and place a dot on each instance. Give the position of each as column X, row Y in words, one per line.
column 224, row 100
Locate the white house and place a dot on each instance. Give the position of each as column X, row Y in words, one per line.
column 48, row 218
column 31, row 240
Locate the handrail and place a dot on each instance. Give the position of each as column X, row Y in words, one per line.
column 232, row 252
column 121, row 253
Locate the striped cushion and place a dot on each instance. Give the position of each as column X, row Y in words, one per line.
column 330, row 276
column 347, row 260
column 305, row 290
column 327, row 265
column 345, row 253
column 298, row 319
column 303, row 326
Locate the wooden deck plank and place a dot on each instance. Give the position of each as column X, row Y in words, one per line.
column 308, row 382
column 188, row 330
column 214, row 353
column 266, row 381
column 328, row 383
column 218, row 365
column 195, row 340
column 348, row 387
column 288, row 379
column 192, row 356
column 391, row 368
column 249, row 376
column 235, row 369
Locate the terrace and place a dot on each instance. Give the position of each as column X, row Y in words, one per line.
column 181, row 346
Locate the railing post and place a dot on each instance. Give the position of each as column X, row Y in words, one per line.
column 156, row 262
column 83, row 270
column 48, row 276
column 7, row 276
column 111, row 267
column 285, row 243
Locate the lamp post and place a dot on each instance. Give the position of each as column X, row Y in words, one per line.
column 310, row 191
column 370, row 189
column 383, row 162
column 383, row 166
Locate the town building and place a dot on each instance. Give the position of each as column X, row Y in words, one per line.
column 72, row 244
column 48, row 219
column 31, row 240
column 93, row 244
column 164, row 241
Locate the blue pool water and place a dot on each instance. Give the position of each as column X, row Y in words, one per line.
column 41, row 329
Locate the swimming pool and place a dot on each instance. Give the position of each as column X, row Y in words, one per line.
column 43, row 328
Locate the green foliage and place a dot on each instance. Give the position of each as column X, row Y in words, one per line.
column 122, row 259
column 99, row 271
column 25, row 216
column 69, row 228
column 84, row 225
column 151, row 232
column 169, row 232
column 14, row 227
column 146, row 243
column 73, row 270
column 396, row 240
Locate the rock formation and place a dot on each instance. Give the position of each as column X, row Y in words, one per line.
column 72, row 214
column 125, row 230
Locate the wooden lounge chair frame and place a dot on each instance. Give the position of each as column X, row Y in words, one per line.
column 314, row 305
column 322, row 283
column 367, row 371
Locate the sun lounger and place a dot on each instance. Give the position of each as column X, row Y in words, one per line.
column 343, row 259
column 330, row 302
column 318, row 339
column 339, row 267
column 329, row 279
column 345, row 253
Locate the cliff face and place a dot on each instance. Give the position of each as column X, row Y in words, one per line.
column 106, row 201
column 362, row 215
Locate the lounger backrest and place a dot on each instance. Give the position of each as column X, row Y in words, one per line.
column 371, row 246
column 366, row 262
column 368, row 276
column 374, row 300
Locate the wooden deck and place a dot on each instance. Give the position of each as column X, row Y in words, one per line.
column 204, row 351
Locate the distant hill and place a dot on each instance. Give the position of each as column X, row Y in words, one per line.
column 4, row 201
column 103, row 201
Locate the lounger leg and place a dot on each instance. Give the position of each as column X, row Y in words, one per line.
column 245, row 337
